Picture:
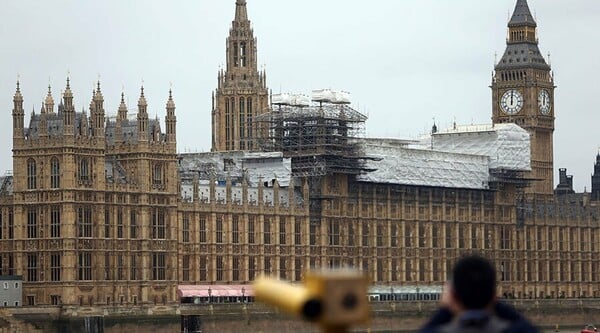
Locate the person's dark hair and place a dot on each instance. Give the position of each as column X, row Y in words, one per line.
column 474, row 282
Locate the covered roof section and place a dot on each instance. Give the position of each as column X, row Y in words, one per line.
column 397, row 163
column 460, row 157
column 237, row 165
column 506, row 145
column 522, row 15
column 6, row 185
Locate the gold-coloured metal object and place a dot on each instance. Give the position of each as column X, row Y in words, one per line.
column 334, row 299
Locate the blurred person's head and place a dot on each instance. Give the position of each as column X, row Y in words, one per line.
column 474, row 282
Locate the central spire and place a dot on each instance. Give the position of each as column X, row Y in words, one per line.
column 241, row 93
column 241, row 13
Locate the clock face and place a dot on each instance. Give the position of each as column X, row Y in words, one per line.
column 511, row 102
column 544, row 102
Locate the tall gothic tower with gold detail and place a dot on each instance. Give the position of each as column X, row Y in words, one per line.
column 523, row 93
column 241, row 94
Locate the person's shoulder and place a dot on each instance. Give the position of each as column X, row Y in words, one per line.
column 518, row 323
column 522, row 326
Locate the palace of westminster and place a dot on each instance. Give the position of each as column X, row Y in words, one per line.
column 104, row 211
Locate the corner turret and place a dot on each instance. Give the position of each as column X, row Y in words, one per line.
column 18, row 114
column 142, row 117
column 171, row 120
column 69, row 110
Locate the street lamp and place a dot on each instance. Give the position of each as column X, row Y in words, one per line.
column 209, row 295
column 243, row 294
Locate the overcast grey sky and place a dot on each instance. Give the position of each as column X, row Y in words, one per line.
column 404, row 61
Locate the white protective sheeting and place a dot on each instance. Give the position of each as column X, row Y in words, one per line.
column 327, row 95
column 507, row 145
column 299, row 100
column 283, row 99
column 397, row 164
column 290, row 99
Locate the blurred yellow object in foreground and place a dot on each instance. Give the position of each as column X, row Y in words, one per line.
column 334, row 299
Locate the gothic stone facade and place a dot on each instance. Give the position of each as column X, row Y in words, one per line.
column 93, row 204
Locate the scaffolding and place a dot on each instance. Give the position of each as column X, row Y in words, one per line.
column 321, row 138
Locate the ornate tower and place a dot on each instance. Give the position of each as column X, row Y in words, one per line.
column 241, row 92
column 523, row 93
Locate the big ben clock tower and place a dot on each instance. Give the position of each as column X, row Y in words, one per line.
column 523, row 93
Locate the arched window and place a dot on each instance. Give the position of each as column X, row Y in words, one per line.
column 243, row 54
column 235, row 55
column 241, row 116
column 227, row 121
column 249, row 119
column 31, row 174
column 157, row 174
column 54, row 173
column 84, row 170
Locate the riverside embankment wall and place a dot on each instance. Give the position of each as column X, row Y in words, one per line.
column 235, row 318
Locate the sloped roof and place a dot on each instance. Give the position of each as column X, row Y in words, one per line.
column 6, row 185
column 522, row 15
column 522, row 55
column 129, row 130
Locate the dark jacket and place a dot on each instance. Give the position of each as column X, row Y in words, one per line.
column 516, row 322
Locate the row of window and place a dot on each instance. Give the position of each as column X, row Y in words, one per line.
column 84, row 223
column 114, row 268
column 338, row 233
column 122, row 267
column 221, row 269
column 220, row 236
column 83, row 172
